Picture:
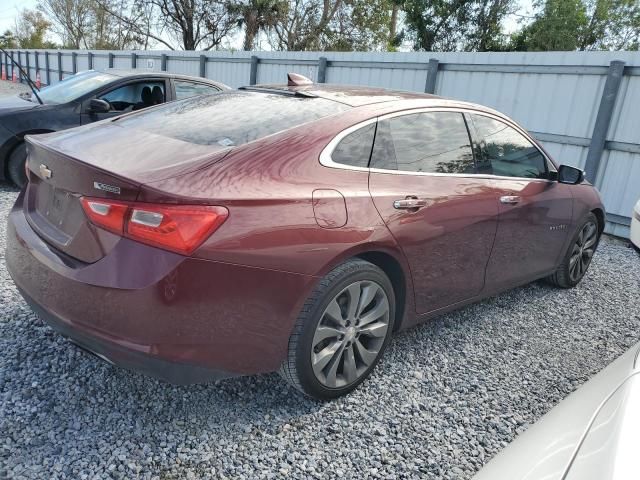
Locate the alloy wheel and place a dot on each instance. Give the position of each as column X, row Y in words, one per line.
column 350, row 334
column 583, row 250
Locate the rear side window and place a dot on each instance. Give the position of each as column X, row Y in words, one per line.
column 191, row 89
column 231, row 118
column 432, row 142
column 355, row 149
column 506, row 152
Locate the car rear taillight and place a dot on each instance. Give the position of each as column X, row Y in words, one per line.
column 179, row 228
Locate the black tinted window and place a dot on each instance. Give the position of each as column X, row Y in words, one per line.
column 135, row 96
column 506, row 152
column 435, row 142
column 231, row 118
column 355, row 148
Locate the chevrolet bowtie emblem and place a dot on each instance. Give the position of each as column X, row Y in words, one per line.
column 44, row 171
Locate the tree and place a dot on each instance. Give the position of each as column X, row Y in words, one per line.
column 456, row 24
column 194, row 24
column 486, row 33
column 612, row 25
column 581, row 25
column 361, row 25
column 31, row 28
column 71, row 20
column 8, row 40
column 558, row 26
column 305, row 22
column 258, row 16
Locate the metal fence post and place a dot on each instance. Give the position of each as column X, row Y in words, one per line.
column 90, row 60
column 322, row 70
column 163, row 62
column 603, row 119
column 432, row 74
column 37, row 55
column 46, row 66
column 111, row 60
column 253, row 76
column 203, row 66
column 134, row 60
column 74, row 62
column 28, row 68
column 59, row 65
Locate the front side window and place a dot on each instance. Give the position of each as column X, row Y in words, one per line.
column 190, row 89
column 135, row 96
column 506, row 152
column 431, row 142
column 355, row 149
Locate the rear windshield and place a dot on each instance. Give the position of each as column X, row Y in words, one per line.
column 230, row 119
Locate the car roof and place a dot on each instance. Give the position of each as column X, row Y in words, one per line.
column 362, row 96
column 352, row 95
column 152, row 73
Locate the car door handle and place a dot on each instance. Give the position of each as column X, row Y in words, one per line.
column 409, row 203
column 510, row 199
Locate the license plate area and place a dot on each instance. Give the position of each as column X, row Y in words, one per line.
column 51, row 212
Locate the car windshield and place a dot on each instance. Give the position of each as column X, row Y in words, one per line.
column 233, row 118
column 74, row 87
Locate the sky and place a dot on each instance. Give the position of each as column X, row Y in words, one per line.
column 10, row 8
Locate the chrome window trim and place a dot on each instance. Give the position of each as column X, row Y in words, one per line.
column 327, row 161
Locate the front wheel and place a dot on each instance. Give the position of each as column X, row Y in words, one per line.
column 579, row 255
column 16, row 165
column 342, row 331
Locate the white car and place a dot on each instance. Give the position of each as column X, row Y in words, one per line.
column 594, row 434
column 635, row 226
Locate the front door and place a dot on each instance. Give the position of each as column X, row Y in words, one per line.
column 535, row 210
column 127, row 98
column 443, row 216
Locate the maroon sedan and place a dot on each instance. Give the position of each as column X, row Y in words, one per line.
column 287, row 228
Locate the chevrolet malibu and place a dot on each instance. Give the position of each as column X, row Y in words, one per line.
column 287, row 228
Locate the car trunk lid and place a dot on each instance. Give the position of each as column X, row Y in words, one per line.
column 61, row 171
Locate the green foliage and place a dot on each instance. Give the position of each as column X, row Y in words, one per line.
column 31, row 30
column 8, row 40
column 258, row 16
column 359, row 25
column 558, row 27
column 456, row 24
column 581, row 25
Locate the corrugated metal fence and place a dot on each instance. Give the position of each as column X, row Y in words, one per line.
column 583, row 106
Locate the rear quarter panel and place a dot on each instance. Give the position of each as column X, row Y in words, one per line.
column 268, row 187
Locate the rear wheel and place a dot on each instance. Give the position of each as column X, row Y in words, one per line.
column 15, row 167
column 342, row 331
column 578, row 257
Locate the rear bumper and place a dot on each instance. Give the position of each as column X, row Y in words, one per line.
column 112, row 352
column 181, row 319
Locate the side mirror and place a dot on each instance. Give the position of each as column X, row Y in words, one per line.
column 570, row 175
column 98, row 106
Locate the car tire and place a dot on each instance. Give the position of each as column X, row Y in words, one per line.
column 578, row 256
column 353, row 332
column 15, row 166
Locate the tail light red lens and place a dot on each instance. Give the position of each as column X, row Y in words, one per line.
column 106, row 214
column 179, row 228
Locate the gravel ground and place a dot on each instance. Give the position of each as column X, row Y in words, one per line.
column 8, row 88
column 447, row 397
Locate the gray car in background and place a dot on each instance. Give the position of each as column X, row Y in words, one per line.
column 594, row 434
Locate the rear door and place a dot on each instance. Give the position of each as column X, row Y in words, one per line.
column 187, row 88
column 535, row 210
column 443, row 216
